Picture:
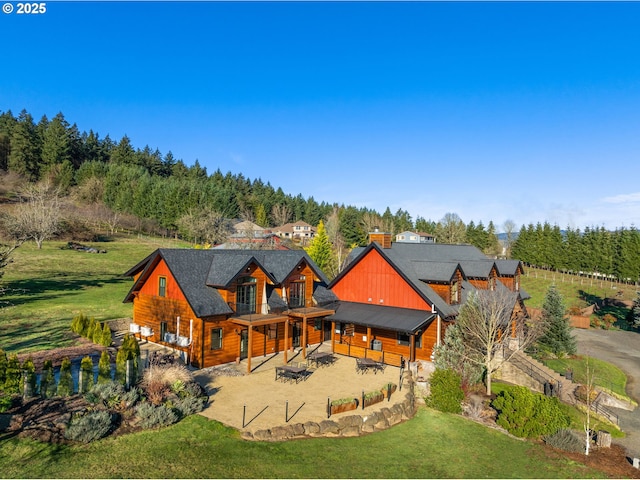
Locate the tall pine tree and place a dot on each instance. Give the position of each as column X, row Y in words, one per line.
column 557, row 337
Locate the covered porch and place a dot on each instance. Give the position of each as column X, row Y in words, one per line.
column 296, row 325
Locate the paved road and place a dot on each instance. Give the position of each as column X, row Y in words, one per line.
column 623, row 350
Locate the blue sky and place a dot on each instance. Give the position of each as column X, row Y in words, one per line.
column 493, row 111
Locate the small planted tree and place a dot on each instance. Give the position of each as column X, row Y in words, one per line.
column 104, row 368
column 634, row 314
column 47, row 380
column 29, row 371
column 3, row 367
column 65, row 383
column 105, row 339
column 86, row 369
column 97, row 334
column 13, row 376
column 446, row 391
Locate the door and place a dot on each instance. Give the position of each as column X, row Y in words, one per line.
column 295, row 335
column 327, row 330
column 244, row 344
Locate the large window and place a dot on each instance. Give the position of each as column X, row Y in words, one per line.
column 403, row 339
column 216, row 339
column 246, row 295
column 297, row 292
column 162, row 286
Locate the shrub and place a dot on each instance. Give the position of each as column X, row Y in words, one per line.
column 6, row 402
column 86, row 367
column 566, row 440
column 530, row 415
column 80, row 324
column 47, row 380
column 87, row 428
column 446, row 391
column 105, row 339
column 3, row 367
column 130, row 350
column 97, row 334
column 29, row 368
column 13, row 377
column 155, row 417
column 65, row 383
column 104, row 368
column 189, row 405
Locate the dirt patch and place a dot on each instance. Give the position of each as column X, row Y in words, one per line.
column 613, row 461
column 84, row 347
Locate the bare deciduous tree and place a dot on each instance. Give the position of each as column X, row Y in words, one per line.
column 38, row 215
column 509, row 228
column 340, row 248
column 206, row 226
column 490, row 321
column 280, row 214
column 371, row 221
column 451, row 229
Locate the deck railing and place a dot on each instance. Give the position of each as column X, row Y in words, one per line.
column 388, row 358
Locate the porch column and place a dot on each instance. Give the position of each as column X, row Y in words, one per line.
column 333, row 332
column 286, row 339
column 368, row 337
column 412, row 347
column 304, row 337
column 439, row 327
column 249, row 348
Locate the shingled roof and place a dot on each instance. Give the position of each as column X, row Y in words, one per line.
column 197, row 272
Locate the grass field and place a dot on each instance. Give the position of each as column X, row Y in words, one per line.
column 432, row 445
column 46, row 288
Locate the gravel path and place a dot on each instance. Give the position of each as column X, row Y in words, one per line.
column 622, row 348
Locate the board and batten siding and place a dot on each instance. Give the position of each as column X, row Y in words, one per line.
column 372, row 280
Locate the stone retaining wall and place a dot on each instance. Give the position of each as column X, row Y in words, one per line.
column 345, row 426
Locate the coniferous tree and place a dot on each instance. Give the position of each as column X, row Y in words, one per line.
column 3, row 366
column 25, row 152
column 29, row 369
column 557, row 337
column 65, row 382
column 86, row 367
column 634, row 314
column 105, row 339
column 13, row 376
column 320, row 249
column 104, row 368
column 47, row 380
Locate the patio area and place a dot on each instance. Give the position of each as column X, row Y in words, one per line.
column 261, row 401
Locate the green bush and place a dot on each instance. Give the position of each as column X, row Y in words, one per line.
column 155, row 417
column 446, row 391
column 80, row 324
column 189, row 405
column 97, row 334
column 47, row 380
column 530, row 415
column 6, row 402
column 87, row 428
column 130, row 350
column 566, row 440
column 104, row 368
column 29, row 369
column 86, row 367
column 105, row 339
column 3, row 367
column 13, row 376
column 65, row 382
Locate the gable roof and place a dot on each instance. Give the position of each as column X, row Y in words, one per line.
column 197, row 271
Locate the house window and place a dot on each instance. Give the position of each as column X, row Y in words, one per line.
column 405, row 339
column 517, row 283
column 246, row 295
column 317, row 325
column 216, row 339
column 297, row 292
column 455, row 293
column 162, row 286
column 163, row 330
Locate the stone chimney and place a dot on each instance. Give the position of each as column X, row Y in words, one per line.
column 381, row 238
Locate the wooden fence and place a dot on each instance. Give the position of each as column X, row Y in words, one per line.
column 388, row 358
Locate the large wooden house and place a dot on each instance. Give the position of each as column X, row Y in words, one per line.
column 396, row 299
column 219, row 306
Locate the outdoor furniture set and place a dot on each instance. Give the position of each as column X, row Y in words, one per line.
column 364, row 365
column 290, row 373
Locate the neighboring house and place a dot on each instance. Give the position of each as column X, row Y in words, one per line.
column 415, row 237
column 218, row 306
column 247, row 228
column 397, row 298
column 297, row 231
column 266, row 241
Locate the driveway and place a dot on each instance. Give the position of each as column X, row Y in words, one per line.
column 622, row 348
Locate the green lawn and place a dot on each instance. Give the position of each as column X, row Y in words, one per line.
column 432, row 445
column 48, row 287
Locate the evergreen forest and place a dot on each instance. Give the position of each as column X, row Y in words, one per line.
column 160, row 191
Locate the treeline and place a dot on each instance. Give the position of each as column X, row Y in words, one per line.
column 149, row 185
column 596, row 251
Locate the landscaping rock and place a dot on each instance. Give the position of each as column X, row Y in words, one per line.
column 311, row 428
column 329, row 427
